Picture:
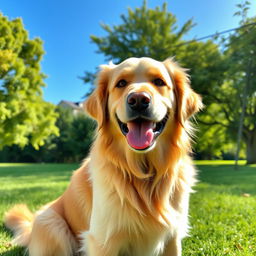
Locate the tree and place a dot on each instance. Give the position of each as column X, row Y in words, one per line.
column 234, row 101
column 24, row 116
column 72, row 144
column 144, row 32
column 76, row 135
column 240, row 97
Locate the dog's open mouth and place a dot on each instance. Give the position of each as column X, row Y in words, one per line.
column 142, row 133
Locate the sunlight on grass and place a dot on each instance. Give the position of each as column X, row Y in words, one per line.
column 32, row 184
column 219, row 162
column 13, row 164
column 222, row 211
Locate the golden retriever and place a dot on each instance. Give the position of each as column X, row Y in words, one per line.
column 130, row 197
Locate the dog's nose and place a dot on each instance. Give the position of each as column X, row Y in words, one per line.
column 138, row 101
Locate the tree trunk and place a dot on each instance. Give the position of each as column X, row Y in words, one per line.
column 244, row 103
column 251, row 148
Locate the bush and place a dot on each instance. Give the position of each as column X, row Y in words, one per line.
column 72, row 145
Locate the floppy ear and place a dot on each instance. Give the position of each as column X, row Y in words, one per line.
column 188, row 102
column 96, row 104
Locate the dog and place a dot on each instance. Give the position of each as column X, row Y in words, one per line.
column 130, row 197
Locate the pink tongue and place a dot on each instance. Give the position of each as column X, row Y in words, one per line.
column 140, row 135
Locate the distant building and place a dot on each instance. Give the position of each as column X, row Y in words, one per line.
column 76, row 107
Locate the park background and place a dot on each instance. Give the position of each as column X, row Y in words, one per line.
column 49, row 54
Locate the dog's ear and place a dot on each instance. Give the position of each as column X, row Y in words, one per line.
column 96, row 104
column 188, row 102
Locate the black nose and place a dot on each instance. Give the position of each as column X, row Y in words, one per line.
column 138, row 101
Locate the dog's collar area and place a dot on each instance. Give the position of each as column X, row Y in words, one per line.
column 141, row 133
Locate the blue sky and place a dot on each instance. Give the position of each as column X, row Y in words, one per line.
column 66, row 26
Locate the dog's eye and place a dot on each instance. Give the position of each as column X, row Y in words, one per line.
column 159, row 82
column 121, row 83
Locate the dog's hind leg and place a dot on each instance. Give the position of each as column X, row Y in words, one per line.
column 51, row 236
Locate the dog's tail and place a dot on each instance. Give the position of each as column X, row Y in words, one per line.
column 19, row 219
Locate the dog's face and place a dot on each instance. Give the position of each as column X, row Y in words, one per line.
column 140, row 99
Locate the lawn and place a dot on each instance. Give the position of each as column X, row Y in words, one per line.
column 222, row 211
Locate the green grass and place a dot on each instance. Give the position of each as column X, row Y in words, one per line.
column 223, row 219
column 33, row 184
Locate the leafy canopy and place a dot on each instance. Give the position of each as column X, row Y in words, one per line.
column 143, row 32
column 72, row 144
column 24, row 116
column 234, row 102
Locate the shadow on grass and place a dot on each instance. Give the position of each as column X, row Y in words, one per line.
column 37, row 169
column 11, row 250
column 233, row 181
column 19, row 192
column 16, row 251
column 38, row 195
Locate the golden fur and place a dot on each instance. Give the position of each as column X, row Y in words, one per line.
column 121, row 201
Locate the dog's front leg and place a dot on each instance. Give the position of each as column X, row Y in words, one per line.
column 111, row 247
column 173, row 247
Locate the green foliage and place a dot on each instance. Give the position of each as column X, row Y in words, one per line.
column 24, row 116
column 72, row 145
column 76, row 134
column 223, row 221
column 242, row 55
column 225, row 105
column 143, row 32
column 206, row 67
column 211, row 142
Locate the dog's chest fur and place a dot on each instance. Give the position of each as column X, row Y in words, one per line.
column 140, row 233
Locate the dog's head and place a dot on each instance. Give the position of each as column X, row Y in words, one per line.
column 141, row 99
